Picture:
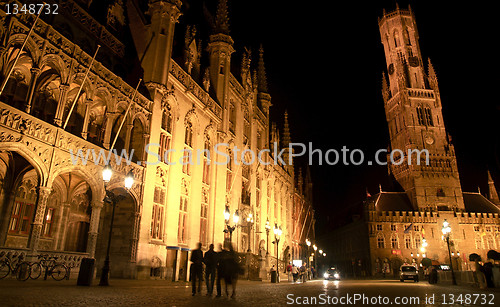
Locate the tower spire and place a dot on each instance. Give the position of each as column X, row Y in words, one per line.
column 222, row 18
column 261, row 72
column 493, row 194
column 433, row 81
column 286, row 131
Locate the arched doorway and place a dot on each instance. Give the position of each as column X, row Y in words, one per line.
column 123, row 236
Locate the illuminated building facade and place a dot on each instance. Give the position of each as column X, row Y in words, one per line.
column 189, row 100
column 397, row 227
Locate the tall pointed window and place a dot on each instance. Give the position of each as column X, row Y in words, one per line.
column 206, row 161
column 204, row 218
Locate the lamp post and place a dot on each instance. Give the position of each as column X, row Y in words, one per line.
column 249, row 224
column 446, row 233
column 110, row 197
column 236, row 219
column 308, row 243
column 314, row 259
column 277, row 234
column 268, row 228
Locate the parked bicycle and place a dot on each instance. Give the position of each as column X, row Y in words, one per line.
column 20, row 268
column 50, row 266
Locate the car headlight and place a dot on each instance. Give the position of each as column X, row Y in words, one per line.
column 336, row 275
column 325, row 275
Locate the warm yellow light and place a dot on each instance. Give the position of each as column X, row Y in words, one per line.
column 107, row 172
column 129, row 180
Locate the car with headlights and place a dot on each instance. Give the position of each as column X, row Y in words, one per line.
column 408, row 272
column 332, row 274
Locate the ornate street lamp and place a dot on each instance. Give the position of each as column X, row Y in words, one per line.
column 236, row 219
column 277, row 235
column 308, row 243
column 446, row 234
column 268, row 228
column 110, row 197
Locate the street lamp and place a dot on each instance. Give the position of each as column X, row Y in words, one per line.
column 308, row 243
column 277, row 234
column 314, row 259
column 249, row 224
column 236, row 219
column 446, row 233
column 268, row 228
column 110, row 197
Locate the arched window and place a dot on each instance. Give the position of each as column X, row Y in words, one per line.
column 188, row 136
column 206, row 161
column 166, row 122
column 394, row 242
column 380, row 241
column 396, row 39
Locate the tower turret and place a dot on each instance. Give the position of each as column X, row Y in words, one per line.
column 493, row 194
column 413, row 112
column 156, row 59
column 220, row 48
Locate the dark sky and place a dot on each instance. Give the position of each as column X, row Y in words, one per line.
column 324, row 64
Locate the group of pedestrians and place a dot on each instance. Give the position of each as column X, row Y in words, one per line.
column 219, row 266
column 299, row 273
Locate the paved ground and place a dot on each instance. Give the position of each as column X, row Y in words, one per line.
column 163, row 293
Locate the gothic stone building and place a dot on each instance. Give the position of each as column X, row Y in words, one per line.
column 389, row 228
column 194, row 94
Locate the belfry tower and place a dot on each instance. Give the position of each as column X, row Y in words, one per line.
column 413, row 111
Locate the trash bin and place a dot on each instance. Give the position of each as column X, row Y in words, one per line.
column 86, row 273
column 274, row 277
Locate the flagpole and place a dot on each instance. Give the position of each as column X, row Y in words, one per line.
column 80, row 89
column 125, row 117
column 4, row 82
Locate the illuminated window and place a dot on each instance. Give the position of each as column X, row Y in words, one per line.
column 417, row 242
column 204, row 218
column 206, row 162
column 165, row 143
column 22, row 211
column 380, row 242
column 407, row 242
column 479, row 243
column 158, row 214
column 167, row 120
column 394, row 242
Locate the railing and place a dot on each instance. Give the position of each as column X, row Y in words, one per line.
column 71, row 259
column 69, row 52
column 420, row 93
column 12, row 118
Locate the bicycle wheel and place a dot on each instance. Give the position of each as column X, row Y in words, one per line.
column 36, row 270
column 58, row 272
column 23, row 271
column 4, row 269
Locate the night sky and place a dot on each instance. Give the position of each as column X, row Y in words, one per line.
column 324, row 65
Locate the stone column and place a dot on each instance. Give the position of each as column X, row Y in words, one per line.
column 94, row 227
column 35, row 72
column 66, row 207
column 128, row 136
column 142, row 157
column 85, row 127
column 5, row 215
column 110, row 120
column 36, row 227
column 58, row 120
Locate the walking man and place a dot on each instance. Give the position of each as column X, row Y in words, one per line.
column 210, row 260
column 196, row 268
